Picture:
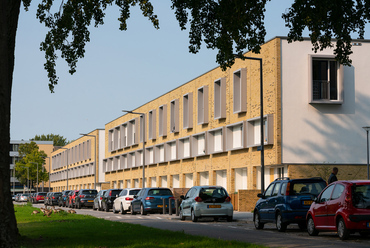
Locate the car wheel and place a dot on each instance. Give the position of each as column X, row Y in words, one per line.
column 229, row 218
column 311, row 227
column 343, row 232
column 94, row 208
column 106, row 208
column 79, row 205
column 182, row 217
column 122, row 211
column 142, row 211
column 100, row 207
column 132, row 212
column 279, row 223
column 114, row 209
column 193, row 217
column 257, row 220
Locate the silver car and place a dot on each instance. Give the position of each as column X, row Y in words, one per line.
column 23, row 197
column 123, row 202
column 206, row 201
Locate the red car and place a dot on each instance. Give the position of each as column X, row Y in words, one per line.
column 71, row 198
column 344, row 207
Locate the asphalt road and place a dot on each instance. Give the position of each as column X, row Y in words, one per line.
column 241, row 229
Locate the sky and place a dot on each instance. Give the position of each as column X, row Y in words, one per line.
column 120, row 70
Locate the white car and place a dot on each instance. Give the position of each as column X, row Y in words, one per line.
column 123, row 201
column 206, row 201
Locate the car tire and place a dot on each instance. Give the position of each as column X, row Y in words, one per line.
column 343, row 232
column 132, row 212
column 142, row 211
column 193, row 217
column 122, row 211
column 229, row 218
column 312, row 231
column 79, row 205
column 257, row 220
column 182, row 217
column 100, row 207
column 106, row 208
column 114, row 209
column 280, row 225
column 94, row 208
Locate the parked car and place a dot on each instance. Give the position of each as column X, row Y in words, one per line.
column 97, row 200
column 109, row 196
column 286, row 201
column 123, row 202
column 206, row 201
column 46, row 198
column 62, row 201
column 85, row 198
column 54, row 198
column 17, row 197
column 71, row 198
column 150, row 200
column 39, row 197
column 344, row 207
column 23, row 197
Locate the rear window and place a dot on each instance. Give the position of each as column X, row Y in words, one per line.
column 134, row 192
column 90, row 192
column 306, row 188
column 208, row 193
column 43, row 194
column 115, row 192
column 361, row 196
column 58, row 194
column 158, row 192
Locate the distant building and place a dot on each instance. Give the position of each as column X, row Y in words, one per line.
column 46, row 146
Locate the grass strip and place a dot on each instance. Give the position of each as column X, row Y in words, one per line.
column 74, row 230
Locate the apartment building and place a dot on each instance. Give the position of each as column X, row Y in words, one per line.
column 76, row 165
column 46, row 146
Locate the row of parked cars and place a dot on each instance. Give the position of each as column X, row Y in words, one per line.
column 342, row 206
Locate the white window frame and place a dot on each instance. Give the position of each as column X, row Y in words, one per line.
column 268, row 132
column 181, row 148
column 230, row 136
column 211, row 140
column 196, row 145
column 169, row 152
column 158, row 155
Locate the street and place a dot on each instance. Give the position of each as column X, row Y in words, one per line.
column 241, row 229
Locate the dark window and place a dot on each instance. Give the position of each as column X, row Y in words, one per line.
column 268, row 191
column 276, row 189
column 283, row 188
column 42, row 194
column 361, row 196
column 159, row 192
column 134, row 192
column 115, row 192
column 325, row 79
column 209, row 193
column 123, row 193
column 307, row 188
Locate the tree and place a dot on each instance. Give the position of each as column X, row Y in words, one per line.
column 31, row 166
column 231, row 26
column 57, row 139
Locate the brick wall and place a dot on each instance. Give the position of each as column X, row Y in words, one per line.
column 247, row 199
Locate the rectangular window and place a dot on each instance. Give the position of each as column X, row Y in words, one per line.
column 116, row 141
column 123, row 161
column 220, row 98
column 110, row 142
column 235, row 135
column 162, row 120
column 171, row 150
column 163, row 181
column 240, row 178
column 149, row 155
column 152, row 124
column 203, row 105
column 187, row 111
column 175, row 181
column 139, row 158
column 132, row 138
column 326, row 81
column 240, row 91
column 153, row 182
column 184, row 148
column 204, row 178
column 131, row 160
column 123, row 133
column 160, row 153
column 254, row 131
column 221, row 178
column 136, row 183
column 128, row 183
column 199, row 144
column 116, row 163
column 189, row 180
column 174, row 122
column 142, row 125
column 215, row 141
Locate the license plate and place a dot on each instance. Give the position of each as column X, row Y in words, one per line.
column 214, row 206
column 307, row 202
column 90, row 201
column 368, row 224
column 160, row 206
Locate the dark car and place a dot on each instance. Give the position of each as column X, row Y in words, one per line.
column 62, row 202
column 85, row 198
column 286, row 201
column 71, row 198
column 343, row 207
column 39, row 197
column 97, row 200
column 108, row 198
column 54, row 198
column 150, row 200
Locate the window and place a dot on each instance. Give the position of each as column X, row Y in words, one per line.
column 152, row 124
column 171, row 150
column 338, row 190
column 142, row 126
column 123, row 134
column 199, row 144
column 174, row 124
column 204, row 178
column 268, row 191
column 163, row 181
column 132, row 132
column 131, row 160
column 139, row 158
column 162, row 121
column 117, row 138
column 220, row 98
column 276, row 189
column 326, row 83
column 184, row 148
column 123, row 161
column 153, row 182
column 159, row 153
column 128, row 183
column 203, row 105
column 254, row 131
column 221, row 178
column 136, row 183
column 187, row 111
column 189, row 180
column 176, row 181
column 325, row 196
column 215, row 141
column 149, row 156
column 240, row 91
column 110, row 143
column 241, row 178
column 235, row 136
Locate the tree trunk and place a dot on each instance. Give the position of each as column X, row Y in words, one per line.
column 9, row 13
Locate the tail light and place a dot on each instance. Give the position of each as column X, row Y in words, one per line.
column 129, row 199
column 287, row 192
column 101, row 198
column 198, row 199
column 149, row 198
column 53, row 197
column 82, row 196
column 348, row 198
column 110, row 193
column 172, row 197
column 228, row 199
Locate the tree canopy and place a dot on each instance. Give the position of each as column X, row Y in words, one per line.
column 57, row 139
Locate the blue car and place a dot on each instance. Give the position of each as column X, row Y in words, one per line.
column 286, row 201
column 150, row 200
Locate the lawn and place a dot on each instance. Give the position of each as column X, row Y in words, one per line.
column 72, row 230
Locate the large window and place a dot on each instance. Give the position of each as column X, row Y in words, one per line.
column 215, row 140
column 220, row 98
column 199, row 144
column 235, row 135
column 162, row 120
column 254, row 131
column 203, row 105
column 171, row 150
column 152, row 124
column 174, row 122
column 184, row 148
column 241, row 178
column 240, row 91
column 187, row 101
column 326, row 81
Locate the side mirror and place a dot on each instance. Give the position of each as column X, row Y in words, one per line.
column 260, row 195
column 135, row 196
column 182, row 197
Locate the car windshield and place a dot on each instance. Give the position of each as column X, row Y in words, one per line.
column 307, row 188
column 361, row 196
column 209, row 193
column 134, row 192
column 158, row 192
